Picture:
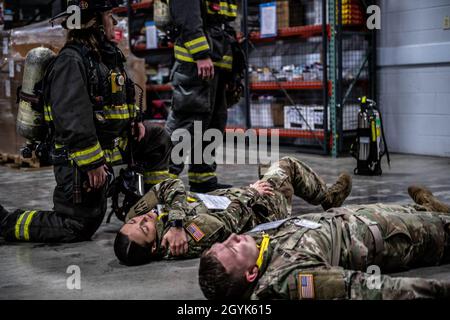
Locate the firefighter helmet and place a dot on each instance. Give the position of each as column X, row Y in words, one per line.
column 87, row 8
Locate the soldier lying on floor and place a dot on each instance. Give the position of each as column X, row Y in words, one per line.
column 325, row 255
column 190, row 223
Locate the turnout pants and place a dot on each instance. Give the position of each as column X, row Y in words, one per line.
column 202, row 102
column 70, row 222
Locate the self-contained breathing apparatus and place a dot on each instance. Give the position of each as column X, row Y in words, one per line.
column 370, row 144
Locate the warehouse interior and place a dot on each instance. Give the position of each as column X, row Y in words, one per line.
column 312, row 65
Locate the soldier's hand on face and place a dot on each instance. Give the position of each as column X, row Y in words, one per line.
column 97, row 177
column 205, row 68
column 138, row 130
column 263, row 187
column 177, row 241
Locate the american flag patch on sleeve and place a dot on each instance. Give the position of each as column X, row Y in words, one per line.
column 306, row 286
column 195, row 232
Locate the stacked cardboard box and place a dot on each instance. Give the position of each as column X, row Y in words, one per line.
column 303, row 117
column 310, row 117
column 266, row 114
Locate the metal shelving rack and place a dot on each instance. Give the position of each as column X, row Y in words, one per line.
column 346, row 74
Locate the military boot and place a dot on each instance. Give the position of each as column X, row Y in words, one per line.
column 424, row 197
column 338, row 192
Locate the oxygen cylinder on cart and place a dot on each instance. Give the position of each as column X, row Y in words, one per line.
column 30, row 122
column 370, row 142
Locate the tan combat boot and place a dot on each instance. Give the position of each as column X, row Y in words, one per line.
column 338, row 192
column 424, row 197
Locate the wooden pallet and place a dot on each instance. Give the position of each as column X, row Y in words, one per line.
column 17, row 161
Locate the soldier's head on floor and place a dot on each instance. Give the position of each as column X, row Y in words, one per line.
column 137, row 241
column 228, row 269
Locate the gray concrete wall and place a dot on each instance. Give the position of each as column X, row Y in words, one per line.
column 414, row 75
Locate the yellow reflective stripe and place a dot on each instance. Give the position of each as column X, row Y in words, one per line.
column 227, row 58
column 192, row 43
column 197, row 45
column 89, row 161
column 155, row 177
column 121, row 112
column 48, row 113
column 173, row 176
column 87, row 156
column 18, row 223
column 113, row 155
column 27, row 225
column 200, row 177
column 223, row 65
column 183, row 58
column 204, row 174
column 202, row 48
column 117, row 116
column 148, row 173
column 182, row 54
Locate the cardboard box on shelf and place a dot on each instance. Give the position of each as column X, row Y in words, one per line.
column 303, row 117
column 266, row 114
column 313, row 116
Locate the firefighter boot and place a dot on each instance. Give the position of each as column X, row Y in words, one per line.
column 3, row 213
column 338, row 192
column 424, row 197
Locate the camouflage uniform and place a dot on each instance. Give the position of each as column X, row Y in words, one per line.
column 247, row 209
column 325, row 255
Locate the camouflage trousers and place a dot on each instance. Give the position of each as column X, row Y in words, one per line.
column 290, row 176
column 412, row 237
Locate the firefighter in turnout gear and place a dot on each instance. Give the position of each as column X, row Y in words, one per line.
column 94, row 124
column 329, row 255
column 186, row 224
column 200, row 76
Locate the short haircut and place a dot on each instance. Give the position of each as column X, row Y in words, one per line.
column 218, row 284
column 130, row 253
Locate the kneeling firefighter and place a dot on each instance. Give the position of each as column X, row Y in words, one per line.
column 92, row 123
column 205, row 77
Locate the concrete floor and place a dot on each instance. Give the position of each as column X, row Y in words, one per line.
column 38, row 271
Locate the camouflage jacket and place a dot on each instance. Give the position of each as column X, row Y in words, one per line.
column 325, row 256
column 205, row 226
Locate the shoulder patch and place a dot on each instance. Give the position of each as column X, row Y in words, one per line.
column 305, row 286
column 195, row 232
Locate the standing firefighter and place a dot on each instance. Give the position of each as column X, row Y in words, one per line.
column 93, row 123
column 201, row 77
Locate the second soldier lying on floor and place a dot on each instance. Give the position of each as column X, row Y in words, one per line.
column 185, row 226
column 326, row 255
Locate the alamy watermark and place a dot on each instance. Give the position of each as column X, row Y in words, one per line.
column 373, row 282
column 374, row 20
column 237, row 146
column 73, row 282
